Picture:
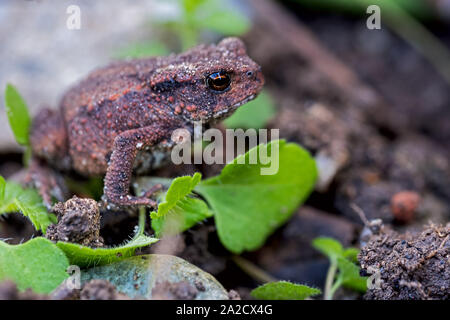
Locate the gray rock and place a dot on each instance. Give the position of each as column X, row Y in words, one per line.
column 137, row 276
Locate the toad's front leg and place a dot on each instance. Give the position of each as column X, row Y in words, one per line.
column 120, row 169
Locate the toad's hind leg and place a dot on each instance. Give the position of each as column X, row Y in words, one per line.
column 48, row 138
column 50, row 184
column 49, row 144
column 118, row 174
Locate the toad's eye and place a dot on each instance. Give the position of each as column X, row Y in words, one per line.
column 218, row 81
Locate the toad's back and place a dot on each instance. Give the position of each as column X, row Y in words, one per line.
column 108, row 102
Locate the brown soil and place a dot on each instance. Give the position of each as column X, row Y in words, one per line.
column 78, row 222
column 9, row 291
column 100, row 290
column 411, row 266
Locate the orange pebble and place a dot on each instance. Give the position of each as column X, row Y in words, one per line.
column 404, row 205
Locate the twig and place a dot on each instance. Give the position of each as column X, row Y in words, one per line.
column 360, row 212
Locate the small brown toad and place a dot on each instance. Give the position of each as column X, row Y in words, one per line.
column 131, row 107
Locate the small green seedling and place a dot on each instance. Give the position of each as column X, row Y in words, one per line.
column 344, row 261
column 284, row 290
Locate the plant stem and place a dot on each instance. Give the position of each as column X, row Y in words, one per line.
column 253, row 270
column 335, row 286
column 329, row 288
column 141, row 226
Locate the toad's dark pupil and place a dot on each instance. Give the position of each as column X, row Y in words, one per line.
column 218, row 81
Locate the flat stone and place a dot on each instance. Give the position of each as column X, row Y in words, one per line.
column 137, row 276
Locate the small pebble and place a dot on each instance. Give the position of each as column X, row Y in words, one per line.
column 404, row 205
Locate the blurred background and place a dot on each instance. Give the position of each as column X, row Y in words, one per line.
column 372, row 105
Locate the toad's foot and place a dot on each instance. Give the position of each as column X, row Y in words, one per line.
column 118, row 174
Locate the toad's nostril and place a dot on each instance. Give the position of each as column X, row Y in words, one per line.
column 249, row 74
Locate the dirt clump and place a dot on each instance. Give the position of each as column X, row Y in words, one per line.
column 78, row 222
column 65, row 292
column 408, row 266
column 100, row 290
column 9, row 291
column 174, row 291
column 233, row 295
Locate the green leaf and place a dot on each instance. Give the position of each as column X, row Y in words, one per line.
column 249, row 206
column 254, row 114
column 329, row 247
column 28, row 202
column 283, row 290
column 18, row 116
column 351, row 254
column 179, row 211
column 37, row 264
column 349, row 275
column 83, row 256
